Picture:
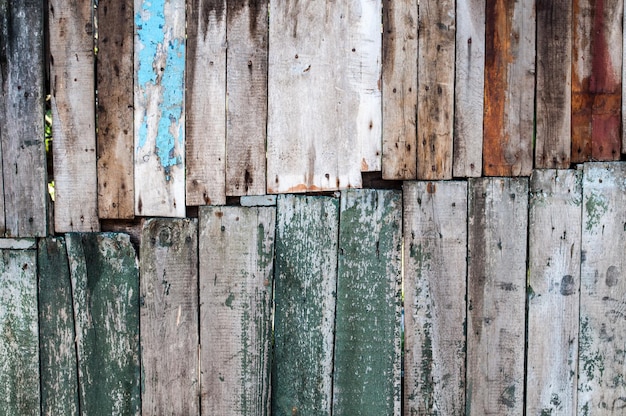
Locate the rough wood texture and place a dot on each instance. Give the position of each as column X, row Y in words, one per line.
column 304, row 323
column 59, row 374
column 246, row 91
column 469, row 88
column 601, row 382
column 169, row 317
column 116, row 193
column 236, row 280
column 498, row 217
column 435, row 97
column 72, row 82
column 105, row 291
column 24, row 189
column 509, row 88
column 399, row 76
column 19, row 334
column 369, row 281
column 553, row 291
column 435, row 241
column 206, row 102
column 160, row 108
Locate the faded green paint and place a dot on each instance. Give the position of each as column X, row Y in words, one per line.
column 591, row 361
column 229, row 300
column 596, row 206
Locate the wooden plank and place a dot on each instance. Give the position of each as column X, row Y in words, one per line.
column 596, row 79
column 469, row 88
column 601, row 383
column 160, row 108
column 553, row 291
column 19, row 335
column 399, row 76
column 59, row 374
column 509, row 88
column 304, row 320
column 18, row 243
column 498, row 217
column 435, row 240
column 72, row 81
column 435, row 97
column 116, row 193
column 313, row 99
column 258, row 201
column 236, row 280
column 105, row 292
column 246, row 92
column 23, row 153
column 169, row 317
column 206, row 102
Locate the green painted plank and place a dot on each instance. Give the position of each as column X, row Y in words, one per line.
column 105, row 289
column 367, row 341
column 304, row 323
column 19, row 335
column 59, row 374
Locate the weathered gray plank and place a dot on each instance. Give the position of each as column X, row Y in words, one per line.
column 19, row 334
column 18, row 243
column 498, row 217
column 435, row 241
column 553, row 291
column 105, row 291
column 304, row 322
column 601, row 382
column 169, row 317
column 236, row 280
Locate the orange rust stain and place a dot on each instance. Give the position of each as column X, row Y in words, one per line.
column 431, row 188
column 219, row 214
column 364, row 165
column 296, row 189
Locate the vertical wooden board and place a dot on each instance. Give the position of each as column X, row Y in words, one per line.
column 305, row 298
column 313, row 98
column 553, row 291
column 72, row 80
column 21, row 119
column 435, row 241
column 497, row 225
column 554, row 82
column 246, row 92
column 367, row 333
column 509, row 88
column 169, row 317
column 236, row 279
column 116, row 194
column 399, row 78
column 105, row 292
column 435, row 97
column 469, row 88
column 59, row 375
column 206, row 102
column 601, row 382
column 19, row 334
column 160, row 108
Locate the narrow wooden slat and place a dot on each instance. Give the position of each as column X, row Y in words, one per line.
column 246, row 89
column 304, row 322
column 509, row 88
column 160, row 108
column 116, row 194
column 469, row 88
column 105, row 292
column 435, row 241
column 59, row 374
column 169, row 317
column 236, row 279
column 399, row 76
column 21, row 119
column 72, row 82
column 553, row 291
column 435, row 96
column 601, row 383
column 498, row 217
column 19, row 335
column 18, row 243
column 367, row 337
